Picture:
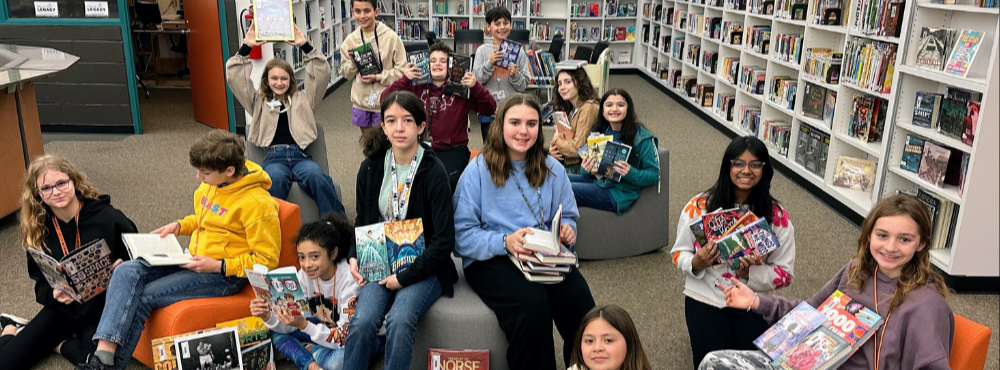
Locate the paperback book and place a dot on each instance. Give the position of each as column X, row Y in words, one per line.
column 754, row 240
column 716, row 224
column 280, row 287
column 934, row 46
column 790, row 330
column 365, row 60
column 420, row 59
column 509, row 50
column 913, row 150
column 854, row 173
column 82, row 274
column 164, row 352
column 458, row 65
column 388, row 248
column 454, row 359
column 595, row 146
column 152, row 250
column 217, row 349
column 927, row 109
column 952, row 119
column 964, row 52
column 273, row 20
column 613, row 152
column 971, row 120
column 563, row 128
column 255, row 342
column 845, row 327
column 934, row 163
column 814, row 102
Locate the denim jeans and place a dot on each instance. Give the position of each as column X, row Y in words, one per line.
column 136, row 290
column 588, row 194
column 401, row 309
column 291, row 346
column 287, row 163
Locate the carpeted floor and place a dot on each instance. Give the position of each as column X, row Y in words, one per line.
column 149, row 179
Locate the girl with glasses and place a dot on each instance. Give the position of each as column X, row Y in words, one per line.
column 60, row 212
column 744, row 182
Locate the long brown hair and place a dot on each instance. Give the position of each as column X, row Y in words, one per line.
column 618, row 318
column 265, row 88
column 376, row 141
column 495, row 149
column 33, row 210
column 584, row 90
column 917, row 271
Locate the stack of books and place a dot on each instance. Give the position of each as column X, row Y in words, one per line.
column 548, row 259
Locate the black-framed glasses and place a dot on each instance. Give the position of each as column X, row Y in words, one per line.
column 755, row 166
column 62, row 185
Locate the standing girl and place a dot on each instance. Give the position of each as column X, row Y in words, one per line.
column 642, row 168
column 401, row 179
column 511, row 187
column 60, row 212
column 577, row 98
column 745, row 182
column 891, row 274
column 608, row 340
column 283, row 120
column 330, row 290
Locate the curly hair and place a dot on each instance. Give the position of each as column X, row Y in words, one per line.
column 333, row 232
column 33, row 210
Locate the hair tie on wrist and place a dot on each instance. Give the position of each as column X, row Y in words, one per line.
column 751, row 301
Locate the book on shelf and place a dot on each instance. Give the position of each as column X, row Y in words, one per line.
column 152, row 250
column 952, row 119
column 421, row 60
column 624, row 57
column 934, row 47
column 829, row 108
column 854, row 173
column 943, row 214
column 965, row 51
column 814, row 101
column 563, row 128
column 448, row 359
column 913, row 150
column 970, row 123
column 279, row 287
column 388, row 248
column 934, row 163
column 613, row 152
column 802, row 144
column 705, row 95
column 543, row 240
column 509, row 51
column 789, row 330
column 753, row 240
column 273, row 20
column 255, row 342
column 867, row 119
column 81, row 274
column 963, row 172
column 365, row 60
column 927, row 109
column 848, row 325
column 458, row 65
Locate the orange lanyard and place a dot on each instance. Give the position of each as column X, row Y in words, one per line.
column 879, row 338
column 62, row 242
column 334, row 300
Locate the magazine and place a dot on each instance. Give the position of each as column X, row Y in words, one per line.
column 613, row 152
column 217, row 350
column 388, row 248
column 82, row 274
column 420, row 59
column 152, row 250
column 280, row 287
column 273, row 21
column 365, row 60
column 458, row 65
column 964, row 52
column 509, row 51
column 449, row 359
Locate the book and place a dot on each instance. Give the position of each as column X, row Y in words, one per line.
column 273, row 21
column 536, row 277
column 543, row 240
column 613, row 151
column 951, row 122
column 255, row 342
column 964, row 52
column 448, row 359
column 753, row 240
column 282, row 285
column 849, row 319
column 570, row 64
column 829, row 108
column 388, row 248
column 934, row 46
column 595, row 146
column 934, row 163
column 152, row 250
column 814, row 102
column 217, row 349
column 458, row 65
column 564, row 257
column 82, row 274
column 926, row 109
column 164, row 352
column 854, row 173
column 509, row 50
column 790, row 330
column 847, row 325
column 420, row 59
column 365, row 60
column 717, row 223
column 563, row 129
column 969, row 125
column 913, row 149
column 817, row 348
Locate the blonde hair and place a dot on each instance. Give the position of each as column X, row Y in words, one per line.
column 33, row 210
column 265, row 88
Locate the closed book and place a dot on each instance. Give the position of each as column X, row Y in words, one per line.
column 933, row 47
column 420, row 59
column 814, row 102
column 951, row 122
column 969, row 125
column 964, row 52
column 790, row 330
column 458, row 65
column 613, row 152
column 365, row 60
column 509, row 51
column 388, row 248
column 913, row 150
column 854, row 173
column 455, row 359
column 926, row 109
column 717, row 223
column 934, row 163
column 753, row 240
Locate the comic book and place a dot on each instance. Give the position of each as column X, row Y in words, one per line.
column 754, row 240
column 82, row 274
column 388, row 248
column 790, row 330
column 255, row 342
column 282, row 285
column 964, row 52
column 420, row 59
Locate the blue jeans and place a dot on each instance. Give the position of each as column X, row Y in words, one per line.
column 401, row 309
column 291, row 346
column 136, row 290
column 588, row 194
column 287, row 163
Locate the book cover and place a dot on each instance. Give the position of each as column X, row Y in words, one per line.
column 285, row 288
column 595, row 146
column 934, row 163
column 814, row 102
column 563, row 129
column 816, row 349
column 934, row 46
column 717, row 223
column 790, row 330
column 848, row 319
column 255, row 342
column 613, row 151
column 753, row 240
column 926, row 109
column 365, row 60
column 449, row 359
column 969, row 125
column 458, row 65
column 854, row 173
column 964, row 52
column 509, row 50
column 273, row 21
column 164, row 353
column 744, row 221
column 964, row 172
column 217, row 349
column 698, row 233
column 404, row 243
column 420, row 59
column 951, row 122
column 802, row 145
column 830, row 107
column 913, row 149
column 82, row 274
column 373, row 257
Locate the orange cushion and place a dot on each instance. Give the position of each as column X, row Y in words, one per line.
column 196, row 314
column 968, row 348
column 472, row 154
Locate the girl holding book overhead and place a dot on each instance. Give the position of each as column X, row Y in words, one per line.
column 61, row 211
column 508, row 189
column 401, row 179
column 332, row 294
column 578, row 100
column 641, row 168
column 890, row 274
column 744, row 184
column 608, row 340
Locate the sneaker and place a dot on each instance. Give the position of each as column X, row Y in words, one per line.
column 93, row 363
column 8, row 319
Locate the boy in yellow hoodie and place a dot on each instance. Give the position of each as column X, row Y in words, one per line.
column 234, row 226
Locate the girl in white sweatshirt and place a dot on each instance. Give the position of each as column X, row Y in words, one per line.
column 330, row 291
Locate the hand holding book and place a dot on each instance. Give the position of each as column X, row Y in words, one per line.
column 251, row 37
column 412, row 72
column 706, row 256
column 287, row 318
column 514, row 243
column 745, row 262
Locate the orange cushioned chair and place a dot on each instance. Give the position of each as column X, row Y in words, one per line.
column 472, row 154
column 968, row 348
column 196, row 314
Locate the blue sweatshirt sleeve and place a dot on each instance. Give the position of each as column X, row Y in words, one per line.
column 471, row 239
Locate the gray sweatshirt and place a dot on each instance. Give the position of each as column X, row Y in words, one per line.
column 917, row 335
column 499, row 81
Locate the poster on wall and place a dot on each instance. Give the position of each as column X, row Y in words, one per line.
column 46, row 9
column 95, row 9
column 273, row 20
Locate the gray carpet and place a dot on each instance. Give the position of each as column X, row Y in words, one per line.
column 150, row 180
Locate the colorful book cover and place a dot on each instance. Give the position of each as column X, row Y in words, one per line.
column 404, row 243
column 747, row 219
column 613, row 152
column 952, row 119
column 934, row 46
column 790, row 330
column 365, row 60
column 420, row 59
column 698, row 231
column 814, row 102
column 287, row 291
column 82, row 274
column 448, row 359
column 717, row 223
column 829, row 108
column 969, row 125
column 848, row 319
column 964, row 52
column 595, row 147
column 754, row 240
column 509, row 50
column 272, row 20
column 373, row 257
column 217, row 349
column 854, row 173
column 926, row 109
column 913, row 149
column 934, row 163
column 255, row 342
column 816, row 349
column 458, row 65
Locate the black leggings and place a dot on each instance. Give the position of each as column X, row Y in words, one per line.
column 712, row 328
column 455, row 160
column 39, row 338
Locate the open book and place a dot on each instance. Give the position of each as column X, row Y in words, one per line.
column 82, row 274
column 279, row 287
column 545, row 241
column 152, row 250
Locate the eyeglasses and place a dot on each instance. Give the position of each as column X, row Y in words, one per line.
column 755, row 166
column 62, row 185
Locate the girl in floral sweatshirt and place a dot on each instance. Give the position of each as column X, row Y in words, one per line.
column 744, row 182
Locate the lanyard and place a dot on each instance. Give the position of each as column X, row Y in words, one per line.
column 398, row 202
column 62, row 242
column 378, row 49
column 540, row 218
column 879, row 338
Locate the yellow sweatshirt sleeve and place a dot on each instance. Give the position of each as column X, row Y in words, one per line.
column 263, row 232
column 188, row 223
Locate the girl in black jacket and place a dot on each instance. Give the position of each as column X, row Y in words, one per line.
column 60, row 212
column 401, row 179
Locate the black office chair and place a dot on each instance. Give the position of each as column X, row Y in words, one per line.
column 556, row 47
column 583, row 52
column 601, row 46
column 519, row 36
column 467, row 38
column 432, row 37
column 415, row 45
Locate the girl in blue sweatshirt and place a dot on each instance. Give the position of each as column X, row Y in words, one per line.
column 511, row 186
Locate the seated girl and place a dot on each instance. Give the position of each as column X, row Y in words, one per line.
column 509, row 188
column 642, row 168
column 608, row 340
column 577, row 98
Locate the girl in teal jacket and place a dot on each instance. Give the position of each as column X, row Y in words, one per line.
column 618, row 118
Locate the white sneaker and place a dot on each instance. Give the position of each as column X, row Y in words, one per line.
column 8, row 319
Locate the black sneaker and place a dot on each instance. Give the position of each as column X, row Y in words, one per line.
column 94, row 363
column 8, row 319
